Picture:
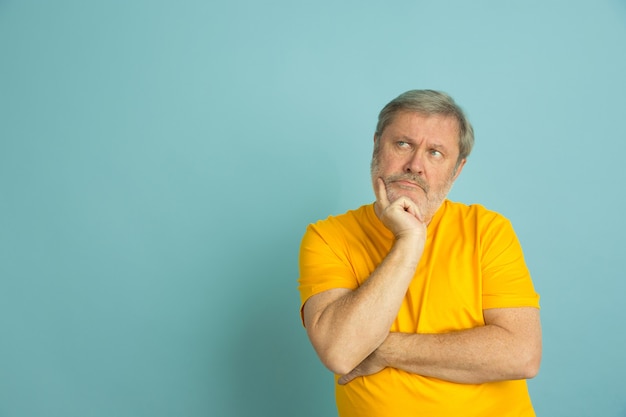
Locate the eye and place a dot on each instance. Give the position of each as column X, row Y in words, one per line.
column 402, row 144
column 436, row 153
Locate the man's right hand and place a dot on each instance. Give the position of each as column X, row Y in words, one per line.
column 402, row 216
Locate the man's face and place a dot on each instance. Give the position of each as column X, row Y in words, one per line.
column 417, row 158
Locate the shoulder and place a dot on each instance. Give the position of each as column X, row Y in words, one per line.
column 459, row 212
column 348, row 232
column 475, row 220
column 351, row 220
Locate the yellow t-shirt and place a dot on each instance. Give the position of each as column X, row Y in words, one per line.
column 472, row 261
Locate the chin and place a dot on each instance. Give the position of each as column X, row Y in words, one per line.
column 417, row 196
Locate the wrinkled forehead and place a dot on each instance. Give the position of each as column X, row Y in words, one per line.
column 445, row 120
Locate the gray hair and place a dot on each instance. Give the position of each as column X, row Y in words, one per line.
column 428, row 102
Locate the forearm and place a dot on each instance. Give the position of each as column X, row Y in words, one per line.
column 351, row 327
column 478, row 355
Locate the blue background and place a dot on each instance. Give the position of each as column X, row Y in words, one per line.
column 159, row 162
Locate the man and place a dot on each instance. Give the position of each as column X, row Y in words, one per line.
column 419, row 305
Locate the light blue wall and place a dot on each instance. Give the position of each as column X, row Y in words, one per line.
column 159, row 162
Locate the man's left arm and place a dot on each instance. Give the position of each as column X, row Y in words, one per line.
column 507, row 347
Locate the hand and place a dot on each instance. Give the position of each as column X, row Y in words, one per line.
column 370, row 365
column 402, row 216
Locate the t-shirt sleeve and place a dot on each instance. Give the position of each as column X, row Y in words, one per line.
column 506, row 279
column 323, row 263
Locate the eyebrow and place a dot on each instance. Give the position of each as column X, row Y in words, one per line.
column 403, row 137
column 435, row 145
column 438, row 147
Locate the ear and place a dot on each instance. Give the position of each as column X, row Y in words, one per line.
column 459, row 168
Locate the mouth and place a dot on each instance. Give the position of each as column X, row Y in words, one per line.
column 406, row 184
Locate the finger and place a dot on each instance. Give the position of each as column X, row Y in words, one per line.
column 346, row 378
column 412, row 208
column 381, row 192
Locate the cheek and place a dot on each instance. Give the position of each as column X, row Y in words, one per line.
column 387, row 165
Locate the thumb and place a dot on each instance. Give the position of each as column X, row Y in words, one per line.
column 346, row 378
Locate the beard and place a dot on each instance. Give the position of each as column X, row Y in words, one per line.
column 433, row 196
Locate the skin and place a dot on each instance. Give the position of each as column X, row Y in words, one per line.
column 412, row 172
column 418, row 158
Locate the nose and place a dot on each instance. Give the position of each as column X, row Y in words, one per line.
column 414, row 164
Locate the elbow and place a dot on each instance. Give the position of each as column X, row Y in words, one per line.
column 336, row 354
column 338, row 362
column 531, row 369
column 330, row 353
column 529, row 364
column 338, row 369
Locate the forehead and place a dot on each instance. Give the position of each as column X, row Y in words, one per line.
column 423, row 126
